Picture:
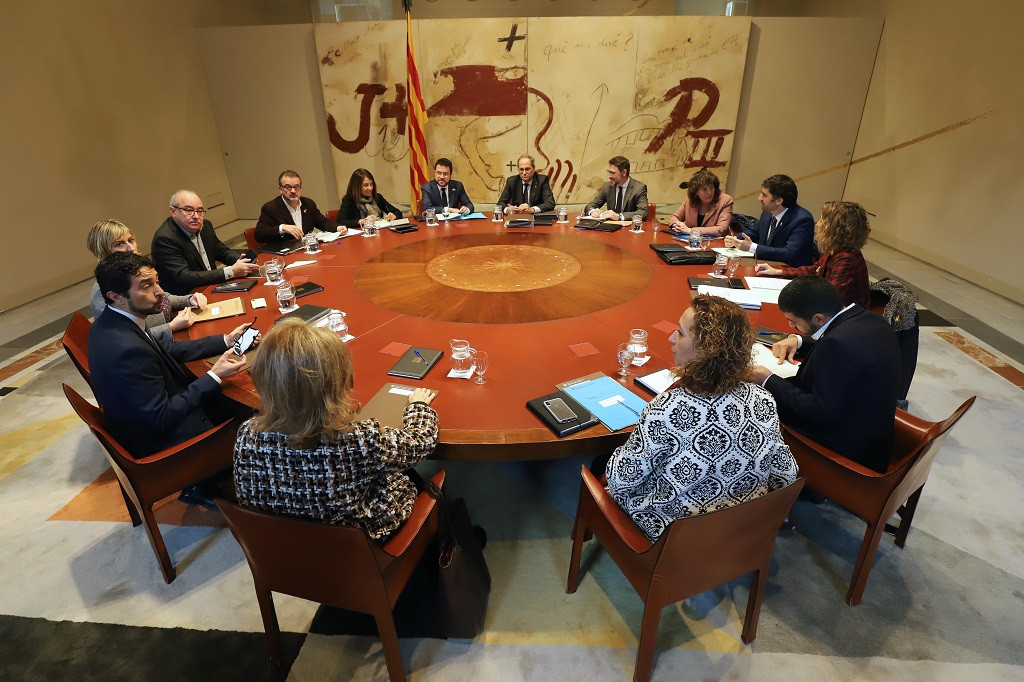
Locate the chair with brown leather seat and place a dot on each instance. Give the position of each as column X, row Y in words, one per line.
column 250, row 238
column 147, row 480
column 872, row 496
column 732, row 542
column 332, row 215
column 76, row 344
column 337, row 565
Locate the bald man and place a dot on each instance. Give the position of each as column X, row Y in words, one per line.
column 186, row 249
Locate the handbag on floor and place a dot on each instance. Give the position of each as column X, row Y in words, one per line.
column 464, row 583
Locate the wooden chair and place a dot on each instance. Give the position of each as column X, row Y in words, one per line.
column 337, row 565
column 332, row 215
column 250, row 238
column 147, row 480
column 76, row 344
column 732, row 542
column 872, row 496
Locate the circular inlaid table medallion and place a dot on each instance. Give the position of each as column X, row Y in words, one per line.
column 503, row 267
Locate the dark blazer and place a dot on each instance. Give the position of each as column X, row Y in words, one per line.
column 634, row 199
column 349, row 216
column 149, row 400
column 457, row 196
column 275, row 213
column 541, row 189
column 844, row 394
column 793, row 243
column 178, row 263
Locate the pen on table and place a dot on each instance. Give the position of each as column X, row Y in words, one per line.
column 416, row 352
column 623, row 403
column 766, row 333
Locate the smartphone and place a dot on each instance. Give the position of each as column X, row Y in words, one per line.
column 248, row 337
column 559, row 410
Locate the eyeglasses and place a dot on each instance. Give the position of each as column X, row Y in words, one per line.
column 188, row 210
column 290, row 187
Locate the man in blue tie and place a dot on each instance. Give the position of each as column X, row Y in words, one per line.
column 444, row 192
column 785, row 230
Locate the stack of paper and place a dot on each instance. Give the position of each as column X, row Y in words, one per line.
column 744, row 298
column 762, row 355
column 732, row 252
column 767, row 288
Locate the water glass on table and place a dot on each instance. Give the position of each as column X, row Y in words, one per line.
column 625, row 356
column 638, row 223
column 481, row 361
column 311, row 243
column 273, row 270
column 734, row 264
column 497, row 215
column 720, row 267
column 430, row 215
column 286, row 296
column 563, row 214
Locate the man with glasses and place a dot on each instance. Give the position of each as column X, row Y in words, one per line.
column 290, row 215
column 528, row 192
column 186, row 249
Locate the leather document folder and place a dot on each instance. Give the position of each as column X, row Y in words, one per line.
column 584, row 418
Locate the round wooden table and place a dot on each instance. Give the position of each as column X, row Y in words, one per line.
column 548, row 304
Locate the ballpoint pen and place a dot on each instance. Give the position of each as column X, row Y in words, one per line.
column 416, row 352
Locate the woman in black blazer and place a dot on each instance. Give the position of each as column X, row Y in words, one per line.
column 362, row 201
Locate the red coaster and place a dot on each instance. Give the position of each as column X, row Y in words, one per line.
column 583, row 349
column 326, row 256
column 299, row 279
column 396, row 348
column 665, row 326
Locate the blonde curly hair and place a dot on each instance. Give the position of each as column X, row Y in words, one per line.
column 844, row 227
column 722, row 338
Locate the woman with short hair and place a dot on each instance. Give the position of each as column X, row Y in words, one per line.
column 710, row 441
column 362, row 202
column 305, row 455
column 840, row 233
column 706, row 207
column 111, row 236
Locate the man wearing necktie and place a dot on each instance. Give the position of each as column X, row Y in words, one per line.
column 624, row 195
column 149, row 399
column 444, row 192
column 785, row 230
column 528, row 192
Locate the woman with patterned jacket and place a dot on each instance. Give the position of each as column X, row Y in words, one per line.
column 303, row 455
column 711, row 440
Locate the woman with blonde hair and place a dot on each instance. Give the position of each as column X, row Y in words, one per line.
column 710, row 441
column 304, row 455
column 840, row 233
column 112, row 236
column 706, row 207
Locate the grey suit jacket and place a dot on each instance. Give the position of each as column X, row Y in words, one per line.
column 633, row 201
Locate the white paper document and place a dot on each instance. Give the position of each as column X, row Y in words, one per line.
column 745, row 298
column 732, row 252
column 762, row 355
column 775, row 283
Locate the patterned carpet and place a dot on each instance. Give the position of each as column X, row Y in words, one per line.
column 82, row 596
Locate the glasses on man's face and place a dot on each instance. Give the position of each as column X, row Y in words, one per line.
column 289, row 188
column 188, row 210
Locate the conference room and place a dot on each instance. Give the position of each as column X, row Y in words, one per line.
column 843, row 99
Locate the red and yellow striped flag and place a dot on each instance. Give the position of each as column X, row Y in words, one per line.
column 419, row 166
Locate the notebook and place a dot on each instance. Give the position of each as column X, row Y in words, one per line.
column 732, row 283
column 597, row 225
column 415, row 363
column 615, row 405
column 306, row 313
column 744, row 298
column 238, row 286
column 307, row 288
column 544, row 219
column 584, row 418
column 215, row 311
column 387, row 405
column 282, row 247
column 656, row 382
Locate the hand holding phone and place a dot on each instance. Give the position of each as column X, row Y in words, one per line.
column 246, row 339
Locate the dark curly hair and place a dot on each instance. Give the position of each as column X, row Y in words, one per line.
column 701, row 179
column 722, row 338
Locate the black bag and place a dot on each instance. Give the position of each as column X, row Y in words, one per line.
column 464, row 583
column 674, row 254
column 740, row 222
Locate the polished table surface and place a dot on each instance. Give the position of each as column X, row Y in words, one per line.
column 523, row 295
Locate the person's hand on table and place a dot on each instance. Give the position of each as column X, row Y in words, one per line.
column 521, row 208
column 785, row 350
column 767, row 270
column 423, row 395
column 197, row 301
column 389, row 216
column 183, row 320
column 678, row 227
column 740, row 241
column 293, row 230
column 464, row 210
column 610, row 215
column 243, row 267
column 228, row 364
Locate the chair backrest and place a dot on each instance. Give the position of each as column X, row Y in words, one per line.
column 93, row 418
column 250, row 238
column 306, row 559
column 933, row 434
column 332, row 215
column 76, row 343
column 701, row 552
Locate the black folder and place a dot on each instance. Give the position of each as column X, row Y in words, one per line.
column 731, row 283
column 282, row 247
column 307, row 313
column 584, row 418
column 415, row 363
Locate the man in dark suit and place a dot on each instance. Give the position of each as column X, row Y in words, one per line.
column 624, row 195
column 149, row 400
column 844, row 394
column 443, row 192
column 186, row 249
column 290, row 215
column 785, row 230
column 528, row 192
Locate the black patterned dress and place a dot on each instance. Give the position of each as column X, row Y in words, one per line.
column 692, row 455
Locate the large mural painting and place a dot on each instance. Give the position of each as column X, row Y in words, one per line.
column 572, row 92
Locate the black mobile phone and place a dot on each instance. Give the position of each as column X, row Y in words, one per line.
column 559, row 410
column 248, row 337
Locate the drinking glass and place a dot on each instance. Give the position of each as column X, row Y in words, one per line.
column 272, row 270
column 431, row 216
column 480, row 361
column 311, row 242
column 734, row 263
column 286, row 296
column 337, row 324
column 563, row 214
column 705, row 243
column 720, row 266
column 638, row 343
column 497, row 215
column 625, row 355
column 370, row 227
column 638, row 223
column 461, row 357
